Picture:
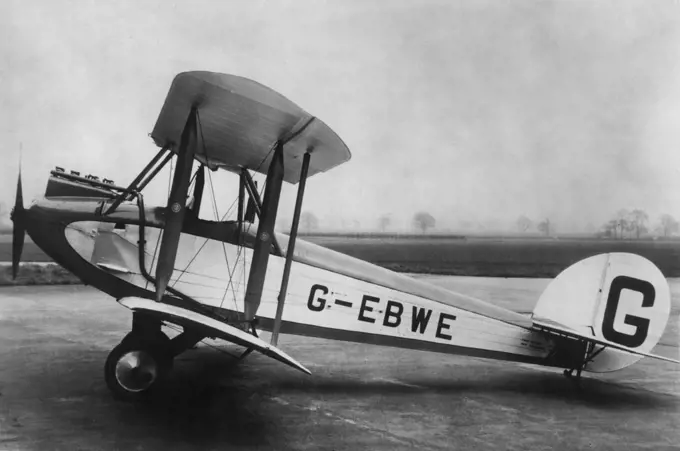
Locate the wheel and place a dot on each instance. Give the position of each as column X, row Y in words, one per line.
column 137, row 366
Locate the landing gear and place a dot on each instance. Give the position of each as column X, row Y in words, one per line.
column 138, row 365
column 247, row 352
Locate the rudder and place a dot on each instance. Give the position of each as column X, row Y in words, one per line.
column 621, row 298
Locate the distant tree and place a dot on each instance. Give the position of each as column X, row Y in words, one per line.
column 308, row 221
column 544, row 227
column 609, row 228
column 523, row 223
column 638, row 221
column 384, row 222
column 668, row 225
column 423, row 221
column 624, row 222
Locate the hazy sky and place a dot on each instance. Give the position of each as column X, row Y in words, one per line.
column 472, row 110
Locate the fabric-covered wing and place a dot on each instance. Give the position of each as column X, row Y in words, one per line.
column 240, row 121
column 180, row 316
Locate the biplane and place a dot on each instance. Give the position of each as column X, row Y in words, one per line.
column 230, row 277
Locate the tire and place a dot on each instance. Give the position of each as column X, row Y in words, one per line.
column 137, row 366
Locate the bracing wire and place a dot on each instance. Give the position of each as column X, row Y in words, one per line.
column 216, row 214
column 230, row 284
column 231, row 272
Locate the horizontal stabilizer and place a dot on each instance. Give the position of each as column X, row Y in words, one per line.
column 181, row 316
column 554, row 328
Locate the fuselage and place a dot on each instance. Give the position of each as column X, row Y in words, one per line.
column 330, row 295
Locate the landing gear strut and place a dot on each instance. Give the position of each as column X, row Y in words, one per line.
column 248, row 351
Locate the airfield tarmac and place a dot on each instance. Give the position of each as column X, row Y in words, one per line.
column 54, row 340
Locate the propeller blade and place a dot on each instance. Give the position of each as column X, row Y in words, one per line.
column 19, row 230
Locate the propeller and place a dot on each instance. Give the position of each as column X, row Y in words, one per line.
column 17, row 216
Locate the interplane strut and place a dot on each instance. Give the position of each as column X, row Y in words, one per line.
column 176, row 208
column 265, row 234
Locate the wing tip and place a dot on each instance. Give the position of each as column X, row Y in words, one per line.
column 309, row 373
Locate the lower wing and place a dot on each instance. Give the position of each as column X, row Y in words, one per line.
column 181, row 316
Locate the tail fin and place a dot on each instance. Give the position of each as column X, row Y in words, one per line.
column 618, row 299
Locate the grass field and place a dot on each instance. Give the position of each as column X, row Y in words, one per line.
column 37, row 274
column 491, row 257
column 497, row 257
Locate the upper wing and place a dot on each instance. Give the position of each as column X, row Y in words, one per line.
column 240, row 121
column 554, row 328
column 180, row 316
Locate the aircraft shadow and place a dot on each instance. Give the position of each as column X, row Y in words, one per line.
column 210, row 376
column 263, row 377
column 210, row 400
column 600, row 394
column 209, row 403
column 206, row 404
